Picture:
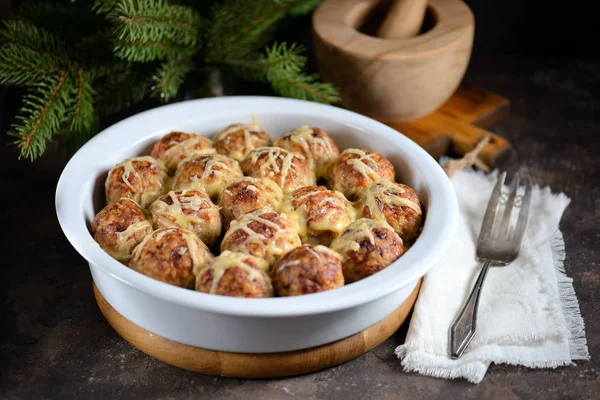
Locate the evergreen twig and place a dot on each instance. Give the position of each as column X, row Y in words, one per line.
column 89, row 59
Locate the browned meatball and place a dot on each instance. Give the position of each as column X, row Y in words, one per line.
column 263, row 233
column 119, row 227
column 208, row 171
column 236, row 275
column 141, row 179
column 175, row 146
column 355, row 169
column 321, row 213
column 395, row 203
column 285, row 168
column 190, row 209
column 247, row 194
column 367, row 246
column 314, row 144
column 237, row 140
column 171, row 255
column 308, row 269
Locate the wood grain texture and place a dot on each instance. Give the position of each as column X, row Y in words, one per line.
column 460, row 123
column 256, row 365
column 404, row 19
column 399, row 79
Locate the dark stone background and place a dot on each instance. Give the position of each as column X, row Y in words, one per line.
column 54, row 343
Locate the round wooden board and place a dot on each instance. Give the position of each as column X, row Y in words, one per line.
column 247, row 365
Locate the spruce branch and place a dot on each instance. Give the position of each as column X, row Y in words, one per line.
column 82, row 114
column 169, row 77
column 43, row 111
column 242, row 26
column 148, row 30
column 282, row 66
column 28, row 37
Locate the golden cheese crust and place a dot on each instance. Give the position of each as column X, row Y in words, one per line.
column 141, row 179
column 367, row 246
column 190, row 209
column 237, row 140
column 314, row 145
column 171, row 255
column 247, row 194
column 355, row 169
column 288, row 170
column 236, row 275
column 308, row 269
column 321, row 213
column 395, row 203
column 175, row 146
column 119, row 227
column 206, row 171
column 263, row 233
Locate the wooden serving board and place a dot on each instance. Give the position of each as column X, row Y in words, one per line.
column 268, row 365
column 460, row 123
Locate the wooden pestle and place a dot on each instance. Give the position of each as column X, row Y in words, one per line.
column 404, row 19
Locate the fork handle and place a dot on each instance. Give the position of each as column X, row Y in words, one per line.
column 464, row 327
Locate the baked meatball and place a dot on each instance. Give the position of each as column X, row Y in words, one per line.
column 308, row 269
column 190, row 209
column 236, row 275
column 208, row 171
column 367, row 246
column 247, row 194
column 263, row 233
column 141, row 179
column 355, row 169
column 237, row 140
column 321, row 213
column 285, row 168
column 314, row 144
column 119, row 227
column 175, row 146
column 171, row 255
column 395, row 203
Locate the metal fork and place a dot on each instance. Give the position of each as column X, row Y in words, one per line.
column 498, row 244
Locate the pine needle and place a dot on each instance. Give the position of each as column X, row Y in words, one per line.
column 148, row 30
column 169, row 78
column 282, row 67
column 44, row 109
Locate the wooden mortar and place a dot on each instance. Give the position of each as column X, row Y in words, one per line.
column 399, row 76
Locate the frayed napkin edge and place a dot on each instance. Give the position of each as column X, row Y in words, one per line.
column 569, row 304
column 575, row 325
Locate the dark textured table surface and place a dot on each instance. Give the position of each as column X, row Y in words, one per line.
column 56, row 344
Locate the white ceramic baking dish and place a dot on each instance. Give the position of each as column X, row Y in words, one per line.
column 252, row 325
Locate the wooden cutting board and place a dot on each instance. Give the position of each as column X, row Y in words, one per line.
column 458, row 125
column 268, row 365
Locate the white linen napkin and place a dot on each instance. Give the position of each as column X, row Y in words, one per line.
column 528, row 312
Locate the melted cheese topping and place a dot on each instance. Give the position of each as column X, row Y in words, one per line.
column 188, row 212
column 325, row 217
column 314, row 148
column 386, row 192
column 128, row 239
column 316, row 252
column 364, row 164
column 278, row 165
column 355, row 233
column 186, row 148
column 229, row 259
column 199, row 253
column 278, row 242
column 249, row 142
column 144, row 196
column 217, row 168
